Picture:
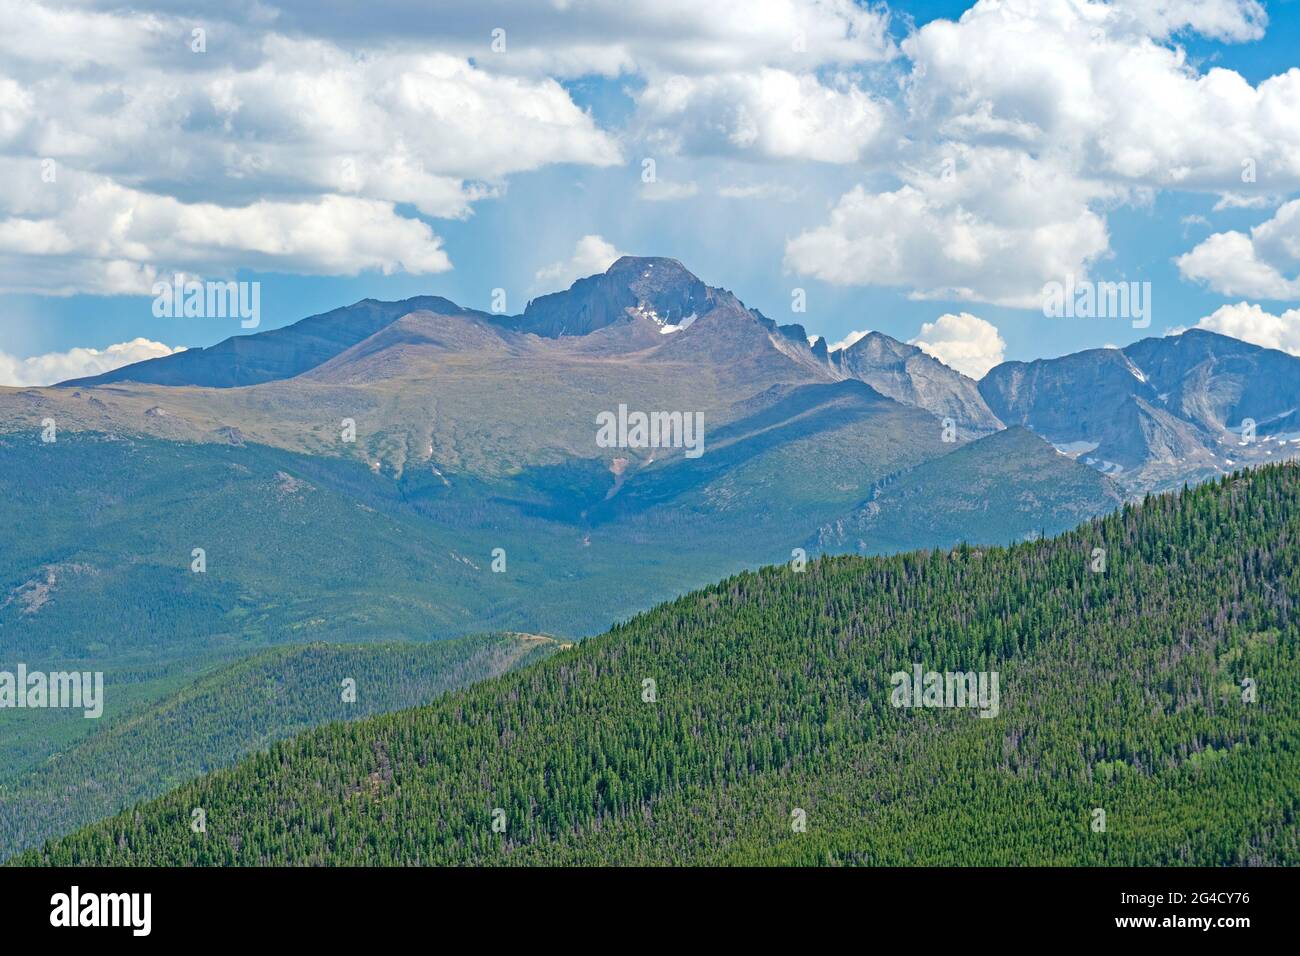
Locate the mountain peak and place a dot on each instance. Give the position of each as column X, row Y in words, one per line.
column 659, row 289
column 641, row 263
column 910, row 375
column 877, row 346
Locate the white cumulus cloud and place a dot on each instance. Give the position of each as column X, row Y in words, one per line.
column 1101, row 82
column 270, row 150
column 56, row 367
column 1257, row 265
column 95, row 235
column 848, row 340
column 574, row 38
column 1045, row 115
column 770, row 114
column 591, row 254
column 964, row 342
column 986, row 225
column 1250, row 323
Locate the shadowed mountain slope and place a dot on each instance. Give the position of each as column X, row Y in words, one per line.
column 1008, row 486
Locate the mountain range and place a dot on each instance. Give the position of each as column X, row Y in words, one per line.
column 1151, row 415
column 422, row 438
column 1160, row 412
column 438, row 437
column 417, row 471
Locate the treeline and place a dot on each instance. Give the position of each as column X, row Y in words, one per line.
column 1125, row 733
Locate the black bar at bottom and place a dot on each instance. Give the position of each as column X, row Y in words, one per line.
column 333, row 906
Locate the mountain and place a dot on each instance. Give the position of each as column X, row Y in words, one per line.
column 655, row 290
column 757, row 721
column 645, row 297
column 909, row 375
column 1160, row 412
column 295, row 548
column 275, row 354
column 318, row 547
column 474, row 497
column 485, row 427
column 1153, row 415
column 234, row 710
column 646, row 316
column 417, row 470
column 476, row 434
column 786, row 456
column 1216, row 382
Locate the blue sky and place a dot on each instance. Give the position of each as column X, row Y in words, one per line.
column 1106, row 143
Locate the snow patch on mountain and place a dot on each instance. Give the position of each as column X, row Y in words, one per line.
column 667, row 328
column 1074, row 449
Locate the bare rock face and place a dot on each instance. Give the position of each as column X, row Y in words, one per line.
column 661, row 290
column 36, row 593
column 1159, row 412
column 907, row 374
column 231, row 435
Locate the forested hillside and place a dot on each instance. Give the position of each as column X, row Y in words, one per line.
column 235, row 710
column 1159, row 692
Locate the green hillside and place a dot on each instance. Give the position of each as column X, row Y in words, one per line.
column 1008, row 486
column 1120, row 692
column 297, row 549
column 301, row 548
column 235, row 710
column 96, row 571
